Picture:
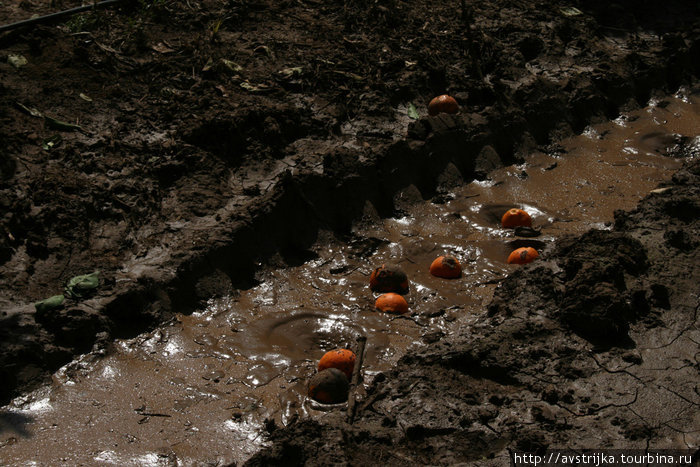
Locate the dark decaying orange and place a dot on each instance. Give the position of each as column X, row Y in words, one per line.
column 516, row 218
column 388, row 278
column 446, row 267
column 446, row 104
column 522, row 255
column 341, row 359
column 329, row 386
column 391, row 303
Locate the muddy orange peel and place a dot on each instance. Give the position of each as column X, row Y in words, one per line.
column 329, row 386
column 391, row 303
column 446, row 267
column 523, row 255
column 516, row 218
column 340, row 359
column 388, row 278
column 445, row 104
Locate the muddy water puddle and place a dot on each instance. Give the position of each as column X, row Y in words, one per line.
column 201, row 388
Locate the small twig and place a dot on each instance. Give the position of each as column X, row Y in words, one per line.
column 53, row 17
column 361, row 341
column 374, row 398
column 145, row 413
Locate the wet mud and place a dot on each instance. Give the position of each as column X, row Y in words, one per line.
column 595, row 345
column 195, row 153
column 207, row 136
column 210, row 386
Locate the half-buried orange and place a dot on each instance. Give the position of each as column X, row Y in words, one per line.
column 388, row 278
column 391, row 303
column 446, row 267
column 329, row 386
column 523, row 255
column 341, row 359
column 516, row 218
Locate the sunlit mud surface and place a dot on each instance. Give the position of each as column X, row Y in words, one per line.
column 201, row 388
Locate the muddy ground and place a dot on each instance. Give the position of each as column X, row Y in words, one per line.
column 214, row 134
column 595, row 348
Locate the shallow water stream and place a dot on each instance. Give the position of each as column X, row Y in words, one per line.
column 200, row 388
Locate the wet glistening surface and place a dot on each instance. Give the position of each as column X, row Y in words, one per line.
column 201, row 387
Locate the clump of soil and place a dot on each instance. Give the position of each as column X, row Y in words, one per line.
column 164, row 142
column 596, row 346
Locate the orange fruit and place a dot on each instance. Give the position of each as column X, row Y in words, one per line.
column 444, row 103
column 388, row 278
column 391, row 303
column 516, row 218
column 329, row 386
column 522, row 255
column 341, row 359
column 446, row 267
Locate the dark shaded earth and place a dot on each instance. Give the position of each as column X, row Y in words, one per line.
column 213, row 134
column 596, row 347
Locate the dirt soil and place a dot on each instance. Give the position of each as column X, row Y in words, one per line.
column 173, row 146
column 596, row 347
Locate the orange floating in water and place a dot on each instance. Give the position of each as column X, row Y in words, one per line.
column 388, row 278
column 329, row 386
column 444, row 103
column 522, row 255
column 341, row 359
column 391, row 303
column 516, row 218
column 446, row 267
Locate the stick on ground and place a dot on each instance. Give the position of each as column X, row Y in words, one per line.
column 53, row 17
column 361, row 341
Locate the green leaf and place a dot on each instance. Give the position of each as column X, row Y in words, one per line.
column 570, row 11
column 290, row 72
column 208, row 66
column 17, row 61
column 79, row 286
column 216, row 25
column 50, row 143
column 29, row 110
column 412, row 112
column 61, row 125
column 254, row 87
column 231, row 66
column 50, row 303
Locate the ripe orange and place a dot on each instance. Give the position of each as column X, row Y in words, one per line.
column 446, row 267
column 516, row 218
column 444, row 103
column 341, row 359
column 522, row 255
column 391, row 303
column 388, row 278
column 329, row 386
